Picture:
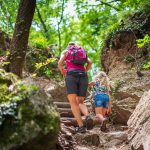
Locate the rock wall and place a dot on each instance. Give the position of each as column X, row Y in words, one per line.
column 139, row 124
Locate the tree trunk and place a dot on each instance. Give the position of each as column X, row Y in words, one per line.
column 20, row 36
column 2, row 41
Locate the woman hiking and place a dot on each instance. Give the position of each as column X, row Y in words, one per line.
column 76, row 80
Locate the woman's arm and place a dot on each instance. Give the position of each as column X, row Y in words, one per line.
column 89, row 64
column 91, row 84
column 60, row 63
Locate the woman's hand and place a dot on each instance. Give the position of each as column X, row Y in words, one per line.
column 91, row 84
column 63, row 72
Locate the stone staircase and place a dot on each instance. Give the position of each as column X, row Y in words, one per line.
column 66, row 115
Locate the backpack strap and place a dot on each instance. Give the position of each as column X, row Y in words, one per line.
column 74, row 53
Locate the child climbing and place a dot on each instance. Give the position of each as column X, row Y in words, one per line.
column 101, row 97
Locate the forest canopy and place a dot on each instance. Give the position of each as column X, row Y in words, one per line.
column 86, row 22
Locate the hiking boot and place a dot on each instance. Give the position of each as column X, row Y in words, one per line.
column 103, row 125
column 81, row 130
column 89, row 122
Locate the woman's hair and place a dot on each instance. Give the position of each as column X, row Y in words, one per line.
column 102, row 78
column 71, row 43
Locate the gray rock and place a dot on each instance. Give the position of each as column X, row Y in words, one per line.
column 101, row 139
column 123, row 110
column 57, row 91
column 139, row 124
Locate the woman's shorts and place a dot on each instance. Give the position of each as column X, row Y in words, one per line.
column 101, row 100
column 77, row 83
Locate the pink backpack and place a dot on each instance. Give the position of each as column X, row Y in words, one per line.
column 79, row 56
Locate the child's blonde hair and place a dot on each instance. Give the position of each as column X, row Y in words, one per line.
column 102, row 78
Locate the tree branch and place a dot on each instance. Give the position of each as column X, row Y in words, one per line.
column 114, row 1
column 59, row 33
column 62, row 12
column 41, row 20
column 107, row 4
column 104, row 3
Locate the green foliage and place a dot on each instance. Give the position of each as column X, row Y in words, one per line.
column 143, row 42
column 111, row 31
column 8, row 14
column 3, row 58
column 44, row 67
column 145, row 6
column 40, row 62
column 140, row 5
column 39, row 42
column 88, row 23
column 12, row 94
column 146, row 65
column 48, row 61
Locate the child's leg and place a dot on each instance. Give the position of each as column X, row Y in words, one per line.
column 104, row 112
column 105, row 107
column 99, row 113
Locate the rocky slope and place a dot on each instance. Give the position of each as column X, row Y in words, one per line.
column 121, row 59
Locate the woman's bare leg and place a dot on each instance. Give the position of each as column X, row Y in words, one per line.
column 75, row 108
column 100, row 112
column 82, row 106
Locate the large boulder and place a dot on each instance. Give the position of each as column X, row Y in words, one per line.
column 139, row 124
column 28, row 118
column 57, row 90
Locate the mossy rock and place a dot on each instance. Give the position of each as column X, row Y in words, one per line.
column 36, row 126
column 33, row 123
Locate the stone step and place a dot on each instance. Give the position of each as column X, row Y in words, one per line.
column 65, row 112
column 68, row 121
column 60, row 100
column 62, row 104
